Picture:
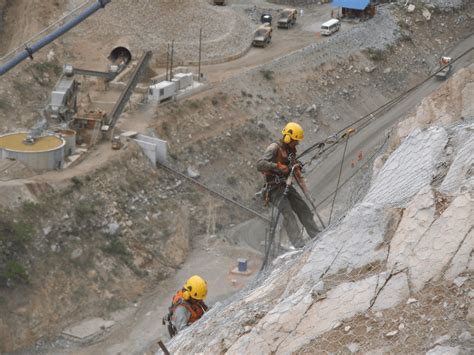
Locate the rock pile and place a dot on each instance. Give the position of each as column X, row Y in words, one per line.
column 152, row 25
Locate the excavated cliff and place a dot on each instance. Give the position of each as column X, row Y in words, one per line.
column 393, row 275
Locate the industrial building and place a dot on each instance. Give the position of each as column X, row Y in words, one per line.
column 355, row 8
column 40, row 154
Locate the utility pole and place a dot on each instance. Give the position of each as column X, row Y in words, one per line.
column 171, row 61
column 167, row 59
column 200, row 46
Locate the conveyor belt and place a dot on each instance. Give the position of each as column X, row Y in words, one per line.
column 125, row 95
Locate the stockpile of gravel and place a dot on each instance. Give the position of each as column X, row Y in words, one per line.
column 445, row 4
column 152, row 24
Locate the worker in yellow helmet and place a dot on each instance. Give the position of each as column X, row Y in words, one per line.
column 275, row 164
column 187, row 305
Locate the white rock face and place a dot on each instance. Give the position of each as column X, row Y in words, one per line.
column 394, row 292
column 461, row 174
column 440, row 243
column 410, row 168
column 417, row 218
column 468, row 102
column 416, row 224
column 460, row 262
column 341, row 303
column 444, row 350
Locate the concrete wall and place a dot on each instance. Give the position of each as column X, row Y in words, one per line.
column 154, row 148
column 40, row 161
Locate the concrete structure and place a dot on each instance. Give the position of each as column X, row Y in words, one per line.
column 63, row 102
column 46, row 153
column 162, row 91
column 154, row 148
column 69, row 136
column 185, row 80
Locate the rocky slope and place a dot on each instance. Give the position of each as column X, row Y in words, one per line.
column 78, row 235
column 393, row 275
column 87, row 248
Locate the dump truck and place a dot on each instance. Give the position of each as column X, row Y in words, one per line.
column 445, row 64
column 262, row 36
column 117, row 143
column 287, row 18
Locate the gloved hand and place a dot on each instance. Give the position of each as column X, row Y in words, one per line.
column 283, row 169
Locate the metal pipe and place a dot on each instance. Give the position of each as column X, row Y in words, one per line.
column 29, row 50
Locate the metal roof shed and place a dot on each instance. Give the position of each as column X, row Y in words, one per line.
column 351, row 4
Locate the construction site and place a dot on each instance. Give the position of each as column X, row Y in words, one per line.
column 134, row 154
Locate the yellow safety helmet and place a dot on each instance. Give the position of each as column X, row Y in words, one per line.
column 292, row 131
column 195, row 287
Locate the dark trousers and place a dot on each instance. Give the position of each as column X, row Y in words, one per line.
column 294, row 203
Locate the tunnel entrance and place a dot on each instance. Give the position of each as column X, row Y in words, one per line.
column 120, row 55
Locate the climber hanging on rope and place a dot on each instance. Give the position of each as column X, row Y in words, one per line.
column 278, row 161
column 187, row 306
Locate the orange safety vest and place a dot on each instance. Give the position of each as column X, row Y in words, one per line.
column 195, row 307
column 282, row 157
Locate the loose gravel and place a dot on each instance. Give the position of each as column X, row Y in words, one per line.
column 152, row 24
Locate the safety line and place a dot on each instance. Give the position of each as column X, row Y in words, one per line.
column 339, row 178
column 374, row 113
column 214, row 192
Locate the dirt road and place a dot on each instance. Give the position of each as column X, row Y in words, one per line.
column 323, row 179
column 284, row 42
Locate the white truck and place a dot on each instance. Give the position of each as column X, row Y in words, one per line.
column 445, row 66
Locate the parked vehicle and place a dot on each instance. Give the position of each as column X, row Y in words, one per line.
column 331, row 26
column 287, row 18
column 219, row 2
column 266, row 18
column 445, row 64
column 263, row 35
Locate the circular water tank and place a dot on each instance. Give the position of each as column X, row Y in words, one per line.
column 69, row 135
column 46, row 153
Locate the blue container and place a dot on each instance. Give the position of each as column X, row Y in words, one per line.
column 242, row 265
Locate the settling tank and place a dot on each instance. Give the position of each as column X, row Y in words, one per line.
column 69, row 136
column 45, row 153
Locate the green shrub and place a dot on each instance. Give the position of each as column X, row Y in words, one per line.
column 15, row 235
column 267, row 74
column 375, row 54
column 85, row 209
column 14, row 273
column 76, row 181
column 194, row 104
column 116, row 247
column 232, row 180
column 23, row 88
column 42, row 67
column 4, row 104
